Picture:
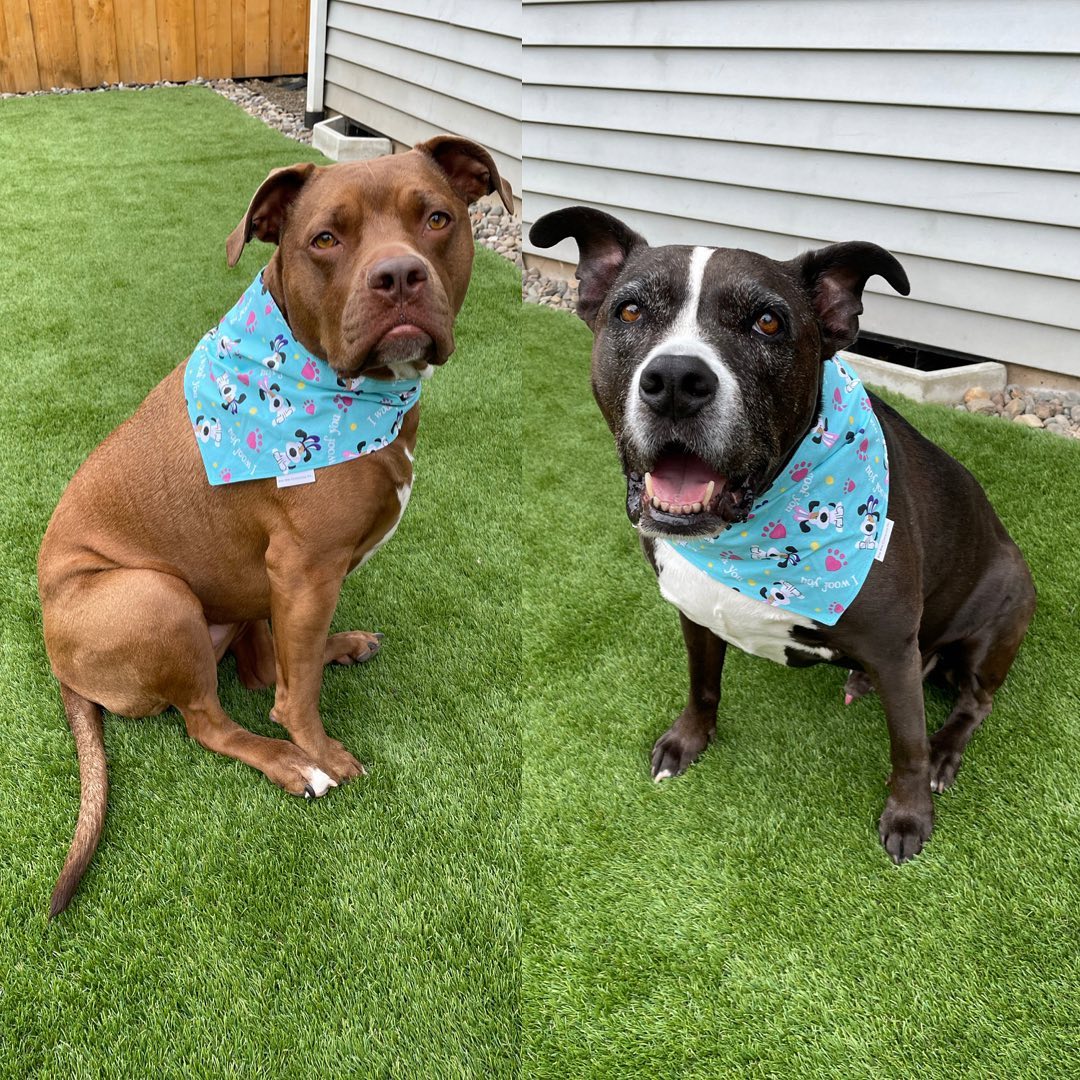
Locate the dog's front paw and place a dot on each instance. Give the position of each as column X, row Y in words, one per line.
column 290, row 768
column 679, row 747
column 904, row 826
column 334, row 759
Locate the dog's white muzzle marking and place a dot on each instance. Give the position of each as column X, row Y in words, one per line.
column 685, row 340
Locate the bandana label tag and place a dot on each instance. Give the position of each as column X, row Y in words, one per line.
column 294, row 479
column 883, row 541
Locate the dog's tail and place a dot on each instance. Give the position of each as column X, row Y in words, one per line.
column 84, row 717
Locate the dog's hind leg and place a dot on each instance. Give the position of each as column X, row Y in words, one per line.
column 253, row 648
column 352, row 647
column 136, row 642
column 984, row 660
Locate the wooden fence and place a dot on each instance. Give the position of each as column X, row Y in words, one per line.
column 47, row 43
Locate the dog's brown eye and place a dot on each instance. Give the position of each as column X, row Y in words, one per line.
column 629, row 313
column 438, row 220
column 768, row 324
column 324, row 240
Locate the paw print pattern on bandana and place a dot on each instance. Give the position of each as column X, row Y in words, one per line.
column 835, row 560
column 775, row 530
column 799, row 473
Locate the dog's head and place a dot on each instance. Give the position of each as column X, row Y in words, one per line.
column 707, row 363
column 373, row 257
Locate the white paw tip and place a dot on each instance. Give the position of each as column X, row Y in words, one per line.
column 320, row 783
column 663, row 774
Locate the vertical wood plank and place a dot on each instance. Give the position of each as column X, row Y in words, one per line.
column 176, row 39
column 239, row 40
column 95, row 35
column 257, row 37
column 137, row 41
column 213, row 38
column 57, row 49
column 18, row 56
column 292, row 32
column 275, row 42
column 71, row 43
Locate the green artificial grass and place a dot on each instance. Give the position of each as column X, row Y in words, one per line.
column 743, row 920
column 226, row 928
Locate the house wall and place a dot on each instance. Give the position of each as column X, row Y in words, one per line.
column 946, row 132
column 411, row 69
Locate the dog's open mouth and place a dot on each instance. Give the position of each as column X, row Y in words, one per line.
column 683, row 495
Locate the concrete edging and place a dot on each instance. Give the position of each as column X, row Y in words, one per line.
column 329, row 137
column 945, row 387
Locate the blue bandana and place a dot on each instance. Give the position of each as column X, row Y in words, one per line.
column 811, row 539
column 261, row 405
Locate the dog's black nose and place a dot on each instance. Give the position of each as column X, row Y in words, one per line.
column 398, row 279
column 677, row 386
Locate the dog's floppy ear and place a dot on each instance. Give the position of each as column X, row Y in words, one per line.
column 469, row 168
column 835, row 277
column 604, row 243
column 266, row 214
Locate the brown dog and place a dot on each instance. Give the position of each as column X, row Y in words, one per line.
column 148, row 575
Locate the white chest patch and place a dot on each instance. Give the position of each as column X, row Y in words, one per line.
column 403, row 494
column 757, row 628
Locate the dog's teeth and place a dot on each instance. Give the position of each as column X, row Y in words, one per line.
column 686, row 509
column 656, row 502
column 665, row 507
column 709, row 492
column 696, row 508
column 648, row 484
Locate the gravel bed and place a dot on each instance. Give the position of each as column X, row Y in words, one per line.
column 278, row 103
column 1057, row 411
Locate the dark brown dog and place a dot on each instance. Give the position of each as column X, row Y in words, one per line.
column 148, row 575
column 708, row 364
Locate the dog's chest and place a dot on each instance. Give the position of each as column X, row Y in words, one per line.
column 403, row 491
column 754, row 627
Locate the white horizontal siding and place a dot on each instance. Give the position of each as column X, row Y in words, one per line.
column 414, row 68
column 490, row 16
column 949, row 134
column 965, row 26
column 1011, row 83
column 998, row 242
column 959, row 286
column 1049, row 198
column 1018, row 140
column 484, row 50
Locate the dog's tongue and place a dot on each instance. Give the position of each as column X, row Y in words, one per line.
column 683, row 479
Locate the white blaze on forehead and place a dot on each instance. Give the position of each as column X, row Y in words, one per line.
column 684, row 338
column 686, row 324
